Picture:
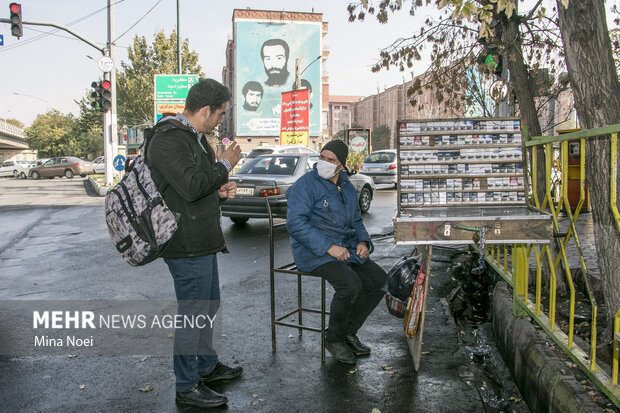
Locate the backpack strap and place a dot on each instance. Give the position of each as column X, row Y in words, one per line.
column 162, row 126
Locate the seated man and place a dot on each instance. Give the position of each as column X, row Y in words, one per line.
column 329, row 238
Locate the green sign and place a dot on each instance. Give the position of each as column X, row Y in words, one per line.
column 173, row 87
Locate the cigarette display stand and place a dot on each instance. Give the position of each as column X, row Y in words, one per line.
column 461, row 180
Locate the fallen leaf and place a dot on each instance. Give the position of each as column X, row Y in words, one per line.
column 384, row 367
column 223, row 335
column 145, row 389
column 72, row 356
column 393, row 352
column 352, row 371
column 254, row 403
column 290, row 336
column 82, row 386
column 375, row 410
column 391, row 373
column 143, row 359
column 426, row 352
column 515, row 399
column 254, row 395
column 170, row 335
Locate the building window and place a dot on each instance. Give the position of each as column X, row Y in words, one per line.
column 336, row 106
column 345, row 107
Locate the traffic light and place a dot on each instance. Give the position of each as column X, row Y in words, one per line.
column 16, row 19
column 102, row 95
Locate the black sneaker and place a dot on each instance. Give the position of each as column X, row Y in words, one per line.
column 200, row 396
column 359, row 348
column 221, row 372
column 341, row 352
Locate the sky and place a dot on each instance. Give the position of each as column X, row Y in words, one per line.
column 40, row 71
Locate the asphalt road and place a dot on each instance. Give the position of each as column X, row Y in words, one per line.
column 55, row 247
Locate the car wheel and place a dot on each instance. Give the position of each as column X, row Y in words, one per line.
column 15, row 173
column 239, row 221
column 68, row 174
column 22, row 175
column 36, row 175
column 365, row 198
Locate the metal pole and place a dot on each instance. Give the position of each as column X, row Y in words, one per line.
column 179, row 57
column 297, row 74
column 109, row 117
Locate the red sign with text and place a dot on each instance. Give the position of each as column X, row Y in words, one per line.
column 294, row 124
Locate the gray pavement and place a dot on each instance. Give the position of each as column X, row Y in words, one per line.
column 63, row 252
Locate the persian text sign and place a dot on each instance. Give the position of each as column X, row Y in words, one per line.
column 358, row 140
column 294, row 122
column 173, row 87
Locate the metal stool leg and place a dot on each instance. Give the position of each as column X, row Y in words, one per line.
column 299, row 305
column 322, row 319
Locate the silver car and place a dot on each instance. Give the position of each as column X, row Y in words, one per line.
column 268, row 175
column 381, row 166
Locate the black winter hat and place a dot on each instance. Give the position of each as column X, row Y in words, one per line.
column 339, row 148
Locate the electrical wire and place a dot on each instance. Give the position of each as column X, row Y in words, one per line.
column 138, row 21
column 54, row 31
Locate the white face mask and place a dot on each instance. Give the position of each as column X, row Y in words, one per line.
column 326, row 169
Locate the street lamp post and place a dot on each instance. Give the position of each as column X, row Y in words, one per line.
column 298, row 73
column 49, row 105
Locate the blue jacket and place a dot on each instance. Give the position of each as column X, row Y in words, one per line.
column 321, row 214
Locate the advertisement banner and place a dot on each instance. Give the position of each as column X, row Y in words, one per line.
column 358, row 140
column 294, row 118
column 265, row 61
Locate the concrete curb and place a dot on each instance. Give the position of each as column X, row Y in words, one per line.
column 535, row 368
column 99, row 189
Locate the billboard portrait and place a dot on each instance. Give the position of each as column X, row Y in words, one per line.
column 265, row 67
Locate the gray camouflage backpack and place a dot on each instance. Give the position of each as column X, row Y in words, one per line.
column 139, row 222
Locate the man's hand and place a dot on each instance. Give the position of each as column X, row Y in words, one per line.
column 339, row 253
column 232, row 154
column 228, row 190
column 362, row 250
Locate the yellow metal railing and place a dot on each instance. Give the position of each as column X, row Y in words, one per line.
column 556, row 202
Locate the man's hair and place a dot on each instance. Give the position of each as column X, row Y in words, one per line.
column 275, row 42
column 207, row 92
column 252, row 85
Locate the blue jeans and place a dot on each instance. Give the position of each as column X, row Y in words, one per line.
column 195, row 278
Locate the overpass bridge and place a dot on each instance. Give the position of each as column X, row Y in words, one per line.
column 13, row 143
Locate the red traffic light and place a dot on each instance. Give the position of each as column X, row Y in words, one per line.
column 106, row 84
column 15, row 8
column 16, row 20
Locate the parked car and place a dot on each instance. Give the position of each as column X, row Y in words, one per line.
column 99, row 165
column 265, row 150
column 16, row 169
column 381, row 166
column 273, row 174
column 67, row 166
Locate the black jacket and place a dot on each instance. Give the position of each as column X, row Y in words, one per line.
column 188, row 179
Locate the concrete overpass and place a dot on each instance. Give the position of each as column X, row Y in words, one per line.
column 13, row 143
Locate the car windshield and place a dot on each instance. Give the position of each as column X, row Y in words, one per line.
column 74, row 159
column 270, row 165
column 381, row 157
column 258, row 152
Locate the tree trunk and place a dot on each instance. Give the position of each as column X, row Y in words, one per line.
column 596, row 91
column 519, row 76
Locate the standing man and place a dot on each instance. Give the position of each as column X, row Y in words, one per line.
column 193, row 182
column 328, row 238
column 275, row 53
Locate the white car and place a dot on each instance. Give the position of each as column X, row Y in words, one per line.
column 99, row 165
column 15, row 168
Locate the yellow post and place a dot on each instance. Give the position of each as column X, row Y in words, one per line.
column 614, row 177
column 616, row 343
column 520, row 279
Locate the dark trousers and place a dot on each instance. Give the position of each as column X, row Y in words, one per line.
column 359, row 288
column 196, row 283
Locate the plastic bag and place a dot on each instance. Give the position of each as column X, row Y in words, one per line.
column 402, row 276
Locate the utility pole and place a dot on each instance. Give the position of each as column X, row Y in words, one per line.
column 110, row 132
column 179, row 57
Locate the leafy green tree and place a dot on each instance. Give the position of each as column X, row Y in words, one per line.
column 381, row 138
column 51, row 134
column 135, row 80
column 13, row 122
column 88, row 129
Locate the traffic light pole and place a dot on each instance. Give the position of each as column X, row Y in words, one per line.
column 109, row 117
